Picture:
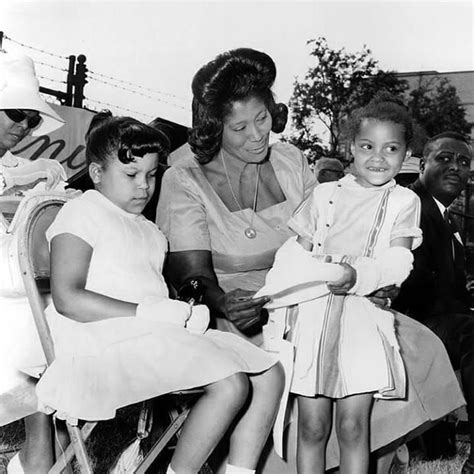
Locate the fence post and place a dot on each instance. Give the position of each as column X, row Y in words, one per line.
column 80, row 81
column 70, row 81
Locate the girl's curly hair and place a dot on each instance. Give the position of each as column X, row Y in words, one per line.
column 235, row 75
column 383, row 107
column 124, row 138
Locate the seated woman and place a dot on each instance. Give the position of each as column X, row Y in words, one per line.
column 22, row 111
column 225, row 210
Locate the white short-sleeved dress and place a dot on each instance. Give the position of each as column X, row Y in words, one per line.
column 101, row 366
column 345, row 345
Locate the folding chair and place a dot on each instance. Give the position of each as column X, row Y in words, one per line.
column 34, row 262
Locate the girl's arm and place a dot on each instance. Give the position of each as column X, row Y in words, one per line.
column 377, row 276
column 70, row 259
column 405, row 242
column 305, row 243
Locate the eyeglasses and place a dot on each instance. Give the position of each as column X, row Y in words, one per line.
column 18, row 115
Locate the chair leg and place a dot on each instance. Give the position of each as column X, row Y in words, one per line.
column 62, row 441
column 67, row 456
column 165, row 438
column 79, row 449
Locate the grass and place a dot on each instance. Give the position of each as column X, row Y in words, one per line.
column 111, row 437
column 418, row 465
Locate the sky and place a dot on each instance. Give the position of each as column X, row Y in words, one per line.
column 159, row 45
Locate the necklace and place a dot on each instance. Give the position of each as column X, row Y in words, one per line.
column 250, row 232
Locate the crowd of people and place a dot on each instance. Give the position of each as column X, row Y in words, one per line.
column 328, row 291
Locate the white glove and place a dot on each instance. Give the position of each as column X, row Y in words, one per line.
column 164, row 310
column 199, row 319
column 42, row 168
column 392, row 267
column 297, row 276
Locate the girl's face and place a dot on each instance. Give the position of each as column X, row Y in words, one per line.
column 129, row 186
column 379, row 150
column 246, row 130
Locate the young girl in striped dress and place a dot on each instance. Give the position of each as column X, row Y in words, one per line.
column 345, row 348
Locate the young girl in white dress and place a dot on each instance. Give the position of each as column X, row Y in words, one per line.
column 346, row 350
column 119, row 338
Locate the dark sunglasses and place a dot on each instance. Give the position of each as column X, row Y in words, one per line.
column 17, row 116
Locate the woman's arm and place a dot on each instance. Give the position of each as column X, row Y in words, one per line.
column 70, row 259
column 237, row 305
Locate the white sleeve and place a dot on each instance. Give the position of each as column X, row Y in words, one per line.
column 80, row 218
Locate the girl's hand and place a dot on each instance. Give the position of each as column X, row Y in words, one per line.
column 343, row 285
column 243, row 310
column 198, row 320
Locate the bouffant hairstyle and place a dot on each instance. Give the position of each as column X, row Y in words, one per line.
column 384, row 108
column 125, row 138
column 235, row 75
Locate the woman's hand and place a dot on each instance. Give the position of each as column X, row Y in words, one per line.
column 344, row 284
column 384, row 296
column 243, row 310
column 54, row 173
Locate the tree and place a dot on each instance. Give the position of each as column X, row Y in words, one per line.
column 339, row 82
column 436, row 106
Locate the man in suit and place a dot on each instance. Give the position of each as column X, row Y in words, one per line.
column 436, row 292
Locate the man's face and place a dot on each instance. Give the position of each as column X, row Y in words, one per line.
column 445, row 171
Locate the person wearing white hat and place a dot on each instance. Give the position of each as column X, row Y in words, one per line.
column 22, row 111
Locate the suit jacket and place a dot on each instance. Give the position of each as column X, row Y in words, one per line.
column 437, row 283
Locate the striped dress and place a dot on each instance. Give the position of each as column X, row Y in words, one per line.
column 345, row 345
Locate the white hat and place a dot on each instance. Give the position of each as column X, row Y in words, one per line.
column 19, row 89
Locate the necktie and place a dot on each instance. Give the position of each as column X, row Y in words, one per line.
column 456, row 246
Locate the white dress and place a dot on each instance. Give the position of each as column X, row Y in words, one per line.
column 345, row 345
column 20, row 348
column 101, row 366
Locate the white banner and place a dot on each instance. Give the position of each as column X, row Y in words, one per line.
column 66, row 144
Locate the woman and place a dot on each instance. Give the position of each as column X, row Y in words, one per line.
column 225, row 209
column 22, row 111
column 225, row 212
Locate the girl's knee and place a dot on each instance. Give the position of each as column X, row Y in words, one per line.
column 233, row 389
column 351, row 429
column 276, row 378
column 269, row 384
column 314, row 431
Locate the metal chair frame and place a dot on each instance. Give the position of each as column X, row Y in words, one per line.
column 35, row 269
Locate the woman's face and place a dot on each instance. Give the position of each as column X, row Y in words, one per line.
column 247, row 130
column 11, row 133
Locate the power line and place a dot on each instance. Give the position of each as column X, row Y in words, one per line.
column 157, row 99
column 39, row 76
column 136, row 85
column 107, row 104
column 33, row 48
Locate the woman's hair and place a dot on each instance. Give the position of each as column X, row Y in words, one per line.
column 110, row 137
column 384, row 108
column 235, row 75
